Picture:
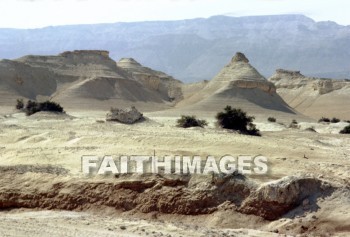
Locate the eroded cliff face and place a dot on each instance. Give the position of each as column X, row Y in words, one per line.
column 294, row 80
column 185, row 195
column 82, row 77
column 240, row 74
column 311, row 95
column 238, row 84
column 79, row 64
column 103, row 53
column 157, row 81
column 20, row 79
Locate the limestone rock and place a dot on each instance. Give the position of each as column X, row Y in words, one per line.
column 310, row 95
column 240, row 74
column 238, row 84
column 81, row 79
column 156, row 81
column 240, row 57
column 128, row 116
column 103, row 53
column 274, row 199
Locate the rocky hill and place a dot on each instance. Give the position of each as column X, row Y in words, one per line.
column 238, row 84
column 312, row 96
column 157, row 81
column 194, row 50
column 81, row 79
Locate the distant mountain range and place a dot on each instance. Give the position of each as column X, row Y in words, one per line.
column 193, row 50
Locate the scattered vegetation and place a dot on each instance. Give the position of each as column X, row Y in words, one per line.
column 19, row 104
column 190, row 121
column 236, row 119
column 33, row 107
column 335, row 120
column 327, row 120
column 323, row 119
column 271, row 119
column 345, row 130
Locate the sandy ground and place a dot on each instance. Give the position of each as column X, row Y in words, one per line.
column 62, row 140
column 64, row 223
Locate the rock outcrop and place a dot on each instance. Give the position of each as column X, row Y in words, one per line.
column 310, row 95
column 238, row 84
column 166, row 85
column 103, row 53
column 155, row 193
column 239, row 57
column 274, row 199
column 240, row 74
column 128, row 116
column 80, row 79
column 294, row 79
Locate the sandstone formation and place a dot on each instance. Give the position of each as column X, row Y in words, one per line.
column 79, row 79
column 128, row 116
column 196, row 49
column 238, row 84
column 310, row 95
column 276, row 198
column 173, row 195
column 240, row 74
column 168, row 87
column 21, row 80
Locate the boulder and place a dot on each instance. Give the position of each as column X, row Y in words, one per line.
column 128, row 116
column 274, row 199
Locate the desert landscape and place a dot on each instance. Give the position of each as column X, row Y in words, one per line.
column 43, row 191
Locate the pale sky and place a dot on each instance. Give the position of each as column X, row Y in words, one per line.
column 41, row 13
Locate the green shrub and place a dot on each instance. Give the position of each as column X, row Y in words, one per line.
column 345, row 130
column 33, row 107
column 335, row 120
column 19, row 104
column 323, row 119
column 236, row 119
column 271, row 119
column 190, row 121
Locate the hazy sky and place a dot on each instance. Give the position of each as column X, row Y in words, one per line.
column 40, row 13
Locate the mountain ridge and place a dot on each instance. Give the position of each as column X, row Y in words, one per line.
column 195, row 49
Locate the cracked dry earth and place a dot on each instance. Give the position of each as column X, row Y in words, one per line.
column 42, row 190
